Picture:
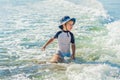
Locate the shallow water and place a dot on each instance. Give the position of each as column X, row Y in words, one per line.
column 26, row 25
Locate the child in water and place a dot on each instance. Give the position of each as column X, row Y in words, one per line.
column 65, row 40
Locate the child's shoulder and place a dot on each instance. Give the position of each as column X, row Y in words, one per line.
column 57, row 34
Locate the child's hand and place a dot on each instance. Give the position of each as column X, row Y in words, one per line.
column 73, row 57
column 43, row 48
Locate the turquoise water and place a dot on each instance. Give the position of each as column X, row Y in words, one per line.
column 112, row 8
column 25, row 25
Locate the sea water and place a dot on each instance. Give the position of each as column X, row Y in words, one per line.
column 25, row 25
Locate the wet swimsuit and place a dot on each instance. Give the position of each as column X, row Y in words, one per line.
column 64, row 40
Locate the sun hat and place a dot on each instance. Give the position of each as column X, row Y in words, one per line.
column 65, row 19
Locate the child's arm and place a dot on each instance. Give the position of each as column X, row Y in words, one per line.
column 47, row 43
column 73, row 51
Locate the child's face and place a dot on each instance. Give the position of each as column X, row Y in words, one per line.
column 69, row 25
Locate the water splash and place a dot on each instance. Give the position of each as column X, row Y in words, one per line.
column 92, row 72
column 25, row 26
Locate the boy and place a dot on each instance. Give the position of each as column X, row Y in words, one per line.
column 65, row 39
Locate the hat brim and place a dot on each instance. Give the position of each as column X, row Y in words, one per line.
column 72, row 19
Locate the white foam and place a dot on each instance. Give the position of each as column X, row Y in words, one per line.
column 114, row 32
column 92, row 72
column 19, row 77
